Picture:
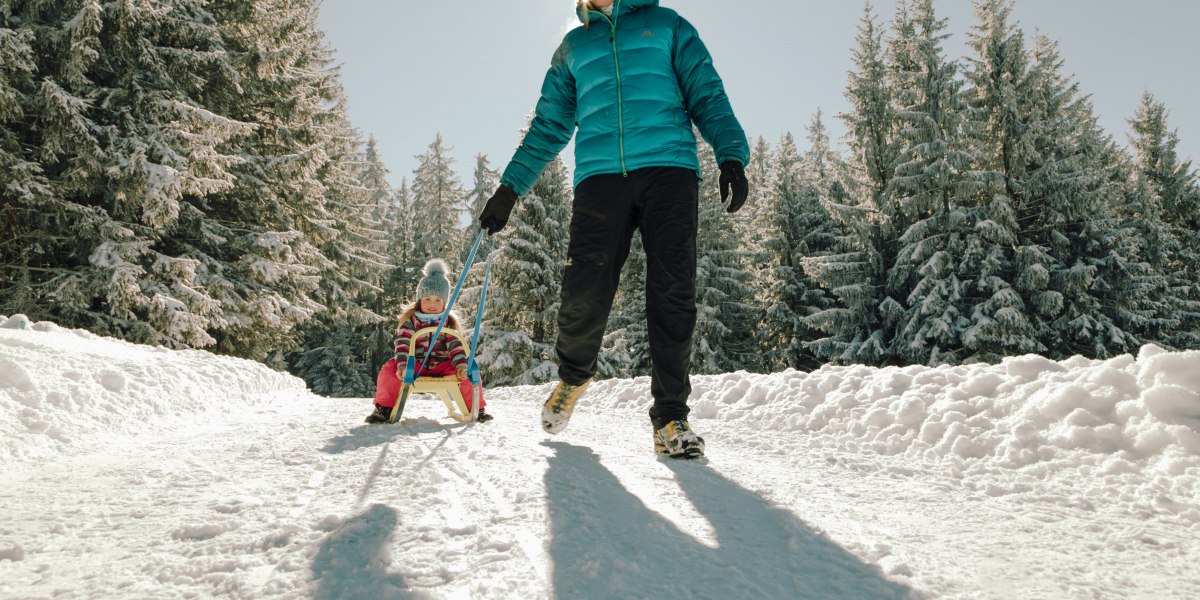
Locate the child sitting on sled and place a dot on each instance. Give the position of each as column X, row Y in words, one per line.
column 448, row 356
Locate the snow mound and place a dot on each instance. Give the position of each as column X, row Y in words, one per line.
column 1003, row 427
column 1020, row 412
column 1091, row 425
column 62, row 389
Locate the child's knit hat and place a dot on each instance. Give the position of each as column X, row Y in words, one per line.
column 435, row 282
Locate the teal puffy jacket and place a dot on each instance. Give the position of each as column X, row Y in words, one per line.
column 633, row 84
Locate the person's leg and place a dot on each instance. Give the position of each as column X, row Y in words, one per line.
column 441, row 369
column 668, row 198
column 602, row 227
column 387, row 385
column 468, row 393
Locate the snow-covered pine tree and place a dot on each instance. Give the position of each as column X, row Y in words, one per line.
column 778, row 335
column 486, row 180
column 752, row 225
column 377, row 196
column 25, row 190
column 1166, row 188
column 266, row 254
column 520, row 323
column 356, row 184
column 1071, row 287
column 123, row 152
column 822, row 179
column 861, row 329
column 1000, row 98
column 760, row 173
column 1066, row 225
column 402, row 277
column 824, row 171
column 1127, row 309
column 799, row 227
column 382, row 204
column 399, row 279
column 725, row 316
column 436, row 207
column 335, row 358
column 935, row 190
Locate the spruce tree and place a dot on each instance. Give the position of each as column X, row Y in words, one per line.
column 934, row 188
column 861, row 328
column 753, row 224
column 336, row 358
column 25, row 187
column 520, row 323
column 1000, row 98
column 486, row 179
column 1065, row 220
column 276, row 223
column 799, row 227
column 382, row 204
column 725, row 316
column 401, row 278
column 436, row 207
column 1169, row 206
column 121, row 148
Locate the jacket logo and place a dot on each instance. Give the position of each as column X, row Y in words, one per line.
column 647, row 33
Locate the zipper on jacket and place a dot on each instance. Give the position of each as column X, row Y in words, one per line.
column 612, row 23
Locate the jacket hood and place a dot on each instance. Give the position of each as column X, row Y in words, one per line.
column 620, row 7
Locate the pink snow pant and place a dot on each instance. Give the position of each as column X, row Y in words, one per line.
column 387, row 385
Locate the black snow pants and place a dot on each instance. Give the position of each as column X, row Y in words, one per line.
column 661, row 202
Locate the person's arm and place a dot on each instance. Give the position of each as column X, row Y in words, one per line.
column 552, row 127
column 704, row 95
column 402, row 342
column 458, row 354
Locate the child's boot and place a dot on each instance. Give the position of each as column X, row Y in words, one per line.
column 483, row 417
column 381, row 414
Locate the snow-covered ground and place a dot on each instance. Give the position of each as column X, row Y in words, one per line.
column 135, row 472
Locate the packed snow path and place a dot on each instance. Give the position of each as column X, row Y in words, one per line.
column 280, row 494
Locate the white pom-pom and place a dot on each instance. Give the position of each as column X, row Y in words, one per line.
column 435, row 266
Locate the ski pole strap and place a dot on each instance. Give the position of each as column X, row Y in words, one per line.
column 454, row 296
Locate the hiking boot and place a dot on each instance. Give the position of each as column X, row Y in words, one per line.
column 482, row 417
column 660, row 447
column 381, row 414
column 677, row 440
column 558, row 408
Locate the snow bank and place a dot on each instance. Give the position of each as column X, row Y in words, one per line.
column 1028, row 425
column 1023, row 411
column 63, row 389
column 1090, row 426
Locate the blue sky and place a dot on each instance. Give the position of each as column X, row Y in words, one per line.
column 472, row 70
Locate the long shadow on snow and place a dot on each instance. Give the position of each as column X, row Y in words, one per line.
column 352, row 560
column 606, row 543
column 366, row 436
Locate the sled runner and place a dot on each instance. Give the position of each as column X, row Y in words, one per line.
column 446, row 388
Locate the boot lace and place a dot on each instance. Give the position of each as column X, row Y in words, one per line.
column 561, row 394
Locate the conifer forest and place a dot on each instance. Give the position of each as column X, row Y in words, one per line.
column 183, row 173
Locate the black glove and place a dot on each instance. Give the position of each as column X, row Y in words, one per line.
column 733, row 174
column 495, row 213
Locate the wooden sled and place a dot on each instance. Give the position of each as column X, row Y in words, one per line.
column 445, row 388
